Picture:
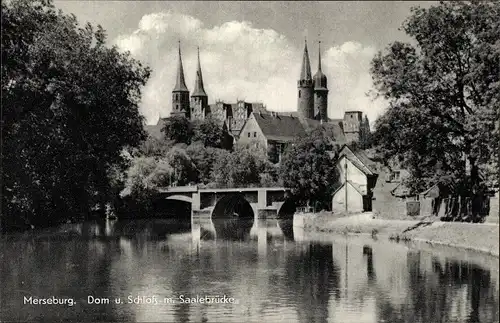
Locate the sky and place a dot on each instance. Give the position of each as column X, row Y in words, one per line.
column 252, row 51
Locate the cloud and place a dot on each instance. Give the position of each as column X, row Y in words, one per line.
column 240, row 61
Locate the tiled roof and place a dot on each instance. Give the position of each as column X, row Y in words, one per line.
column 286, row 126
column 359, row 158
column 282, row 127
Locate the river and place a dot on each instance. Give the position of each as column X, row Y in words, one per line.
column 267, row 271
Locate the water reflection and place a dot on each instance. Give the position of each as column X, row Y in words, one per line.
column 232, row 229
column 274, row 278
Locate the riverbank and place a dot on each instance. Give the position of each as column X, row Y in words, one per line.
column 478, row 237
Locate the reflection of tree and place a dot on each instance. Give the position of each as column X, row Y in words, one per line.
column 63, row 266
column 286, row 226
column 233, row 229
column 311, row 276
column 432, row 293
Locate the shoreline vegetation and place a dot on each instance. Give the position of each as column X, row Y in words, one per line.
column 481, row 238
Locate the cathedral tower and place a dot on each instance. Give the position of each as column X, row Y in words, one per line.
column 180, row 93
column 305, row 105
column 320, row 92
column 199, row 98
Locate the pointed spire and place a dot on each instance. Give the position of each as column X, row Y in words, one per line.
column 199, row 89
column 320, row 80
column 180, row 83
column 319, row 56
column 305, row 71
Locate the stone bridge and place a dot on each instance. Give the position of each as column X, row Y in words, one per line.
column 256, row 203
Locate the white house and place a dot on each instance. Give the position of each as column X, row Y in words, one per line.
column 358, row 176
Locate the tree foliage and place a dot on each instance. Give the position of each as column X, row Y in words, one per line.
column 444, row 95
column 209, row 132
column 308, row 168
column 70, row 106
column 245, row 166
column 178, row 129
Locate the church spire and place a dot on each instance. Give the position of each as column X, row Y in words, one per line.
column 199, row 89
column 319, row 56
column 305, row 71
column 180, row 83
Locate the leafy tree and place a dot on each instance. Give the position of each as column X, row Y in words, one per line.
column 308, row 169
column 178, row 129
column 243, row 167
column 209, row 132
column 70, row 106
column 183, row 167
column 444, row 95
column 204, row 159
column 365, row 140
column 154, row 147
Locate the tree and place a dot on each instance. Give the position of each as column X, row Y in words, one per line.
column 365, row 134
column 308, row 169
column 183, row 167
column 204, row 159
column 209, row 132
column 444, row 95
column 178, row 129
column 70, row 106
column 154, row 147
column 245, row 166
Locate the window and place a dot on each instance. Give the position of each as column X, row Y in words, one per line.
column 395, row 176
column 299, row 94
column 255, row 134
column 351, row 116
column 249, row 135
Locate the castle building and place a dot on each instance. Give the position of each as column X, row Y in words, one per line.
column 251, row 123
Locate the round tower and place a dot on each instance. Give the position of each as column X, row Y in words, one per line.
column 305, row 85
column 320, row 92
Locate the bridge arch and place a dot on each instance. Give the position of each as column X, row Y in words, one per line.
column 231, row 206
column 182, row 198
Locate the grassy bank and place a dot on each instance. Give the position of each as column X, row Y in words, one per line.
column 478, row 237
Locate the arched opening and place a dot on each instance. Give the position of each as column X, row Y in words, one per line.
column 233, row 206
column 232, row 218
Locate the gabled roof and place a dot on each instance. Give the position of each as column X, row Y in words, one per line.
column 282, row 127
column 356, row 187
column 359, row 159
column 286, row 126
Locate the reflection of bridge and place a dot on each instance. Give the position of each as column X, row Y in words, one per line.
column 259, row 203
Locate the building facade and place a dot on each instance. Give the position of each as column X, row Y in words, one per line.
column 241, row 118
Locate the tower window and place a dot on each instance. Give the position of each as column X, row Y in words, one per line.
column 249, row 135
column 255, row 134
column 299, row 94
